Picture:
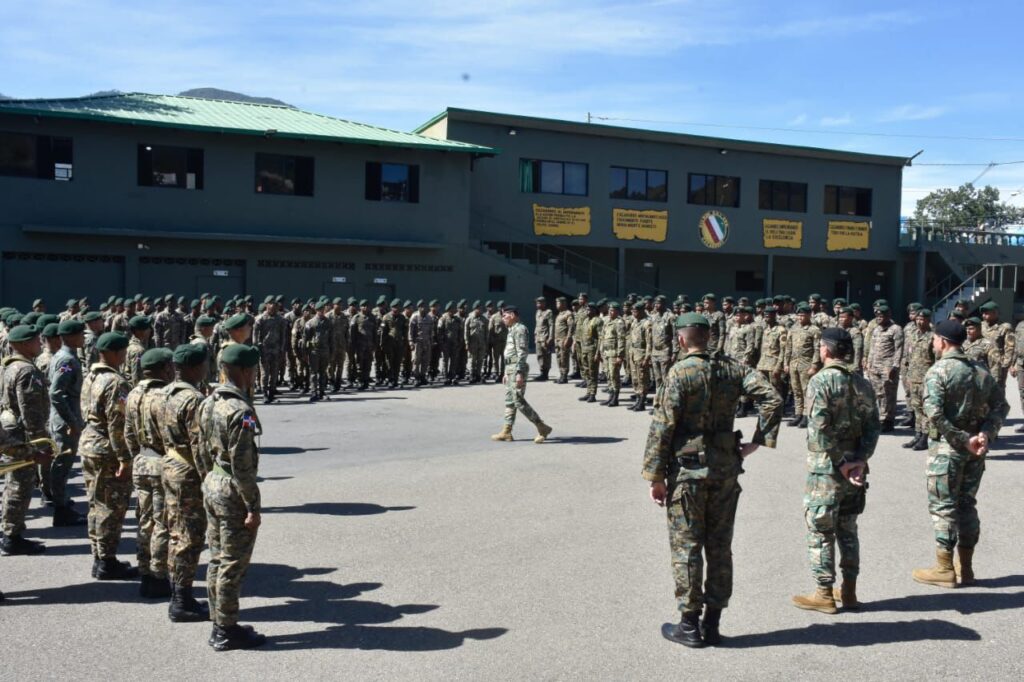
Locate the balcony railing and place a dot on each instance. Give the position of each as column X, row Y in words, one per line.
column 915, row 236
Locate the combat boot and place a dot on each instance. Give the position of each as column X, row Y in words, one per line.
column 112, row 569
column 803, row 422
column 543, row 431
column 583, row 398
column 940, row 575
column 144, row 586
column 847, row 594
column 614, row 400
column 159, row 587
column 912, row 442
column 964, row 565
column 607, row 401
column 922, row 443
column 591, row 398
column 709, row 626
column 641, row 403
column 184, row 608
column 66, row 516
column 504, row 435
column 687, row 632
column 228, row 637
column 822, row 600
column 15, row 545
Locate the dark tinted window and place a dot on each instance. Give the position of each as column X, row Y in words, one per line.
column 841, row 200
column 552, row 177
column 282, row 174
column 392, row 182
column 35, row 156
column 637, row 183
column 714, row 190
column 778, row 195
column 161, row 166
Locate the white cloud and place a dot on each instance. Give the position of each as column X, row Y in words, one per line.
column 911, row 112
column 832, row 121
column 797, row 120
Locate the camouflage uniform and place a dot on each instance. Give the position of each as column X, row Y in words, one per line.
column 132, row 360
column 476, row 342
column 422, row 327
column 613, row 352
column 1003, row 353
column 65, row 415
column 855, row 358
column 103, row 448
column 565, row 328
column 662, row 338
column 394, row 332
column 299, row 351
column 88, row 354
column 142, row 435
column 579, row 321
column 317, row 339
column 517, row 350
column 884, row 362
column 543, row 337
column 842, row 424
column 449, row 328
column 802, row 355
column 716, row 343
column 639, row 349
column 773, row 356
column 227, row 435
column 1018, row 343
column 979, row 351
column 23, row 412
column 497, row 334
column 590, row 340
column 691, row 446
column 920, row 357
column 336, row 367
column 270, row 334
column 363, row 340
column 960, row 400
column 169, row 329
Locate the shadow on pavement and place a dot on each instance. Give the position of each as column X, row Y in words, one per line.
column 261, row 479
column 285, row 450
column 335, row 509
column 857, row 634
column 380, row 638
column 586, row 440
column 1006, row 457
column 964, row 600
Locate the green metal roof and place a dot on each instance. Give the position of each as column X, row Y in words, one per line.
column 223, row 116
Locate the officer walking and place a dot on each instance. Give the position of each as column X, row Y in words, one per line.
column 517, row 349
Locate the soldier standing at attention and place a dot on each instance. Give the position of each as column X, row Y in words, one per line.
column 965, row 408
column 1001, row 335
column 884, row 360
column 842, row 433
column 802, row 360
column 544, row 337
column 565, row 328
column 476, row 342
column 142, row 436
column 299, row 350
column 693, row 460
column 640, row 345
column 449, row 327
column 662, row 341
column 316, row 337
column 407, row 311
column 589, row 342
column 919, row 358
column 363, row 330
column 422, row 327
column 93, row 328
column 339, row 333
column 228, row 427
column 517, row 350
column 269, row 334
column 393, row 337
column 717, row 321
column 845, row 320
column 1017, row 369
column 66, row 422
column 51, row 344
column 141, row 327
column 182, row 478
column 773, row 350
column 579, row 317
column 204, row 337
column 743, row 345
column 106, row 462
column 613, row 352
column 289, row 318
column 976, row 347
column 497, row 333
column 908, row 329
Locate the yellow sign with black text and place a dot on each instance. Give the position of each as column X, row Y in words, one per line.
column 651, row 226
column 848, row 235
column 561, row 221
column 782, row 234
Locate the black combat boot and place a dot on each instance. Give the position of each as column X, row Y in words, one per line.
column 607, row 401
column 888, row 427
column 908, row 420
column 641, row 404
column 614, row 401
column 184, row 608
column 112, row 569
column 803, row 422
column 235, row 637
column 687, row 632
column 144, row 586
column 159, row 587
column 709, row 626
column 591, row 398
column 66, row 516
column 15, row 545
column 912, row 442
column 921, row 443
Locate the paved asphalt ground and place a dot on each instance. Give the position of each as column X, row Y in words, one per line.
column 399, row 542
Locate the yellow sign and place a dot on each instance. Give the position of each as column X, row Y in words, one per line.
column 848, row 235
column 559, row 221
column 632, row 224
column 783, row 234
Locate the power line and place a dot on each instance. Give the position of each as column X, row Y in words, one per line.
column 983, row 163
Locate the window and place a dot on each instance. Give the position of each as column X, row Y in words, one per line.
column 35, row 156
column 777, row 195
column 179, row 167
column 638, row 183
column 841, row 200
column 714, row 190
column 392, row 182
column 280, row 174
column 496, row 284
column 552, row 177
column 749, row 280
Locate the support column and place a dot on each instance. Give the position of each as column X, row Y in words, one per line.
column 769, row 274
column 622, row 273
column 920, row 272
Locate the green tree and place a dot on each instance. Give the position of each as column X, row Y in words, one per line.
column 966, row 207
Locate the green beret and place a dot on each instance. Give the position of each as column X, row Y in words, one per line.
column 660, row 298
column 803, row 308
column 882, row 301
column 855, row 306
column 639, row 305
column 337, row 300
column 30, row 318
column 209, row 305
column 71, row 302
column 112, row 341
column 778, row 298
column 319, row 305
column 708, row 297
column 488, row 304
column 747, row 309
column 692, row 320
column 92, row 317
column 407, row 304
column 237, row 321
column 914, row 305
column 70, row 327
column 38, row 301
column 815, row 297
column 601, row 302
column 728, row 299
column 194, row 303
column 396, row 303
column 140, row 322
column 269, row 298
column 279, row 299
column 145, row 300
column 882, row 308
column 296, row 301
column 962, row 301
column 168, row 298
column 363, row 302
column 449, row 305
column 50, row 330
column 351, row 300
column 838, row 301
column 987, row 308
column 248, row 298
column 382, row 299
column 476, row 303
column 923, row 312
column 461, row 302
column 500, row 304
column 973, row 322
column 189, row 354
column 540, row 299
column 155, row 357
column 433, row 302
column 240, row 355
column 205, row 294
column 614, row 305
column 205, row 321
column 118, row 301
column 770, row 309
column 23, row 332
column 420, row 303
column 13, row 319
column 846, row 310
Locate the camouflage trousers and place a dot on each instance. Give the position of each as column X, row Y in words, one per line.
column 231, row 545
column 450, row 353
column 885, row 392
column 186, row 519
column 701, row 516
column 612, row 370
column 563, row 356
column 55, row 476
column 777, row 383
column 435, row 359
column 271, row 367
column 476, row 360
column 353, row 369
column 497, row 354
column 659, row 370
column 421, row 360
column 301, row 377
column 515, row 401
column 151, row 545
column 831, row 507
column 641, row 378
column 364, row 361
column 393, row 358
column 1020, row 379
column 798, row 380
column 590, row 368
column 108, row 503
column 18, row 488
column 544, row 356
column 915, row 398
column 336, row 365
column 953, row 482
column 317, row 370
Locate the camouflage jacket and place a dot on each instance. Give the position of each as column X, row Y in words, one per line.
column 104, row 392
column 394, row 329
column 590, row 338
column 918, row 353
column 962, row 399
column 228, row 427
column 24, row 405
column 169, row 329
column 1018, row 345
column 544, row 329
column 179, row 428
column 270, row 333
column 339, row 327
column 565, row 326
column 742, row 346
column 613, row 339
column 842, row 419
column 363, row 332
column 691, row 434
column 716, row 342
column 662, row 335
column 449, row 331
column 496, row 330
column 66, row 390
column 773, row 348
column 886, row 351
column 855, row 358
column 640, row 344
column 317, row 334
column 133, row 360
column 88, row 354
column 979, row 351
column 476, row 331
column 141, row 426
column 802, row 347
column 580, row 318
column 42, row 363
column 1003, row 344
column 517, row 349
column 422, row 329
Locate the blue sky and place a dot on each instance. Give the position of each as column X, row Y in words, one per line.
column 825, row 69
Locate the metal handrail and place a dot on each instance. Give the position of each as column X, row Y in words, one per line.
column 972, row 279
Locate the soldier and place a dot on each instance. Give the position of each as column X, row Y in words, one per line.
column 422, row 328
column 965, row 408
column 363, row 335
column 692, row 460
column 394, row 332
column 613, row 352
column 379, row 356
column 169, row 326
column 912, row 308
column 1018, row 365
column 476, row 342
column 544, row 337
column 772, row 361
column 846, row 320
column 497, row 334
column 142, row 436
column 640, row 346
column 717, row 321
column 119, row 323
column 228, row 427
column 582, row 314
column 842, row 433
column 517, row 349
column 294, row 312
column 589, row 342
column 447, row 328
column 976, row 347
column 565, row 328
column 339, row 334
column 65, row 420
column 71, row 310
column 884, row 360
column 204, row 337
column 23, row 412
column 270, row 335
column 141, row 329
column 920, row 357
column 407, row 311
column 106, row 462
column 662, row 343
column 435, row 352
column 299, row 350
column 318, row 340
column 802, row 360
column 93, row 329
column 1001, row 335
column 51, row 344
column 742, row 346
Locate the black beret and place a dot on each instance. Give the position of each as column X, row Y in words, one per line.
column 69, row 327
column 112, row 341
column 952, row 331
column 240, row 355
column 190, row 354
column 836, row 335
column 156, row 357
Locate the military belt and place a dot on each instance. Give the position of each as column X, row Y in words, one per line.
column 220, row 469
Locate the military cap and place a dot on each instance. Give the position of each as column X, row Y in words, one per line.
column 709, row 297
column 450, row 305
column 461, row 302
column 540, row 299
column 137, row 297
column 168, row 298
column 779, row 298
column 846, row 309
column 743, row 300
column 882, row 308
column 973, row 322
column 881, row 301
column 189, row 355
column 396, row 302
column 296, row 300
column 648, row 297
column 592, row 305
column 988, row 307
column 322, row 303
column 601, row 302
column 952, row 331
column 956, row 314
column 363, row 302
column 70, row 327
column 155, row 357
column 685, row 320
column 112, row 341
column 71, row 302
column 336, row 300
column 140, row 322
column 248, row 298
column 759, row 302
column 433, row 302
column 838, row 301
column 728, row 299
column 561, row 299
column 145, row 299
column 309, row 301
column 923, row 312
column 500, row 304
column 23, row 332
column 683, row 298
column 488, row 304
column 382, row 299
column 181, row 299
column 511, row 309
column 855, row 306
column 803, row 308
column 476, row 303
column 269, row 298
column 815, row 297
column 118, row 301
column 5, row 311
column 770, row 309
column 237, row 321
column 92, row 316
column 194, row 303
column 408, row 304
column 914, row 306
column 51, row 330
column 660, row 299
column 209, row 305
column 421, row 303
column 205, row 321
column 40, row 301
column 47, row 319
column 962, row 301
column 582, row 294
column 352, row 300
column 747, row 309
column 279, row 298
column 240, row 355
column 13, row 319
column 837, row 338
column 615, row 305
column 30, row 318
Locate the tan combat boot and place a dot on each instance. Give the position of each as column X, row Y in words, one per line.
column 822, row 600
column 964, row 565
column 847, row 594
column 504, row 434
column 940, row 575
column 543, row 430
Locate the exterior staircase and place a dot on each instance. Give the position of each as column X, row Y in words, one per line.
column 984, row 285
column 561, row 270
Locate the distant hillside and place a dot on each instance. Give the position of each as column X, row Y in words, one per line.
column 216, row 93
column 3, row 96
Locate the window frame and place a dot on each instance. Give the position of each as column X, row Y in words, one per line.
column 628, row 170
column 298, row 174
column 712, row 181
column 374, row 186
column 854, row 194
column 791, row 188
column 537, row 176
column 47, row 153
column 194, row 161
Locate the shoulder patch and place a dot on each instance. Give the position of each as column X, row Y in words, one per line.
column 249, row 421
